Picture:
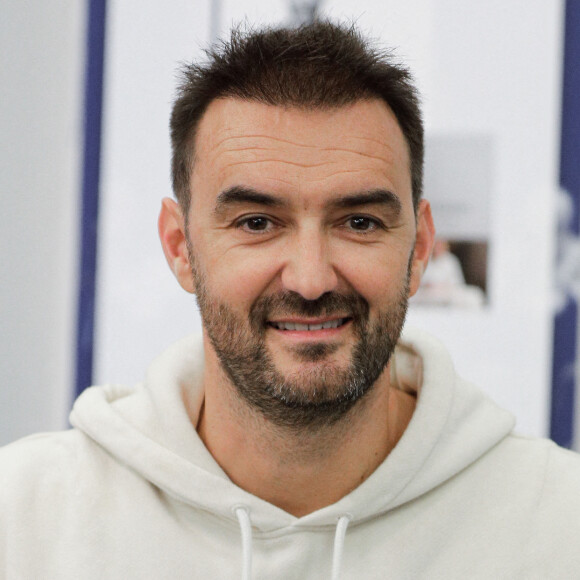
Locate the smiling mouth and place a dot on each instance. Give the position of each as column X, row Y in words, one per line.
column 328, row 324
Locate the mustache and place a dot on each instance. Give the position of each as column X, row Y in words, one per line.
column 290, row 303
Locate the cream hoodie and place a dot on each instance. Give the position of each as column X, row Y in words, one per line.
column 132, row 493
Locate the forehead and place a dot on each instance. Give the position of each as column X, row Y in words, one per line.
column 294, row 151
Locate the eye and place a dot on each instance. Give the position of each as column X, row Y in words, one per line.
column 361, row 223
column 255, row 224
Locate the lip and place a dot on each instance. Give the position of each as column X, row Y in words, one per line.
column 310, row 335
column 304, row 320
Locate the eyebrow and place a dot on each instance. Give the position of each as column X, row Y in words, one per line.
column 372, row 197
column 238, row 195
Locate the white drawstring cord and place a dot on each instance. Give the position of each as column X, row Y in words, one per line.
column 243, row 515
column 339, row 545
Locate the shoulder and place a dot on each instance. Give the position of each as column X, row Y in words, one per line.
column 555, row 467
column 527, row 490
column 558, row 470
column 36, row 452
column 46, row 467
column 553, row 473
column 547, row 481
column 538, row 466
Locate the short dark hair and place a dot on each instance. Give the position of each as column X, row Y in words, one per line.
column 316, row 66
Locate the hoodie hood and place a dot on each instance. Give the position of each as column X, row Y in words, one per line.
column 147, row 428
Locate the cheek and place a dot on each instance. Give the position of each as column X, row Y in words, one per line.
column 238, row 278
column 378, row 274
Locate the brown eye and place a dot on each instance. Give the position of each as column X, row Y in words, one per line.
column 256, row 224
column 362, row 223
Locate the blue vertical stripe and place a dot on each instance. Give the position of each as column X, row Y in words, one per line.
column 565, row 328
column 90, row 192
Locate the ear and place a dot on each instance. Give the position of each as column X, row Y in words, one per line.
column 173, row 240
column 424, row 239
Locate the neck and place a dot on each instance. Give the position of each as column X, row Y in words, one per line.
column 300, row 471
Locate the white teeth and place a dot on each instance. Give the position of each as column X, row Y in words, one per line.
column 297, row 326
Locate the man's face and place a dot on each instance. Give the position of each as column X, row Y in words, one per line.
column 301, row 233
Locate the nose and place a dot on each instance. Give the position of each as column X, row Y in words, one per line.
column 308, row 268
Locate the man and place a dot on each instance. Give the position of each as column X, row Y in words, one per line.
column 301, row 437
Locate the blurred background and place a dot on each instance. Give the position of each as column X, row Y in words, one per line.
column 87, row 87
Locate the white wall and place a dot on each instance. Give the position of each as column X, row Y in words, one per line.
column 41, row 75
column 140, row 307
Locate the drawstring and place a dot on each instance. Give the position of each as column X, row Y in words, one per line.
column 243, row 515
column 339, row 545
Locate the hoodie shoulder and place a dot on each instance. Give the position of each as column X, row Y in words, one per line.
column 37, row 451
column 45, row 457
column 563, row 469
column 46, row 470
column 555, row 469
column 549, row 476
column 559, row 498
column 36, row 473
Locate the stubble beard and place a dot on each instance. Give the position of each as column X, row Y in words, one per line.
column 321, row 394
